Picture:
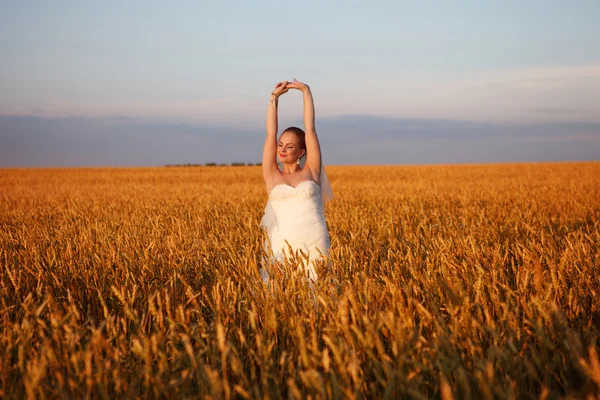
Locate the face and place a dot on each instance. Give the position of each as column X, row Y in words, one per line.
column 288, row 148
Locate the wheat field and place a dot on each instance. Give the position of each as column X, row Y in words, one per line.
column 463, row 281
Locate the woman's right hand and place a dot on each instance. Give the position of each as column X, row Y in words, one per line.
column 280, row 89
column 303, row 87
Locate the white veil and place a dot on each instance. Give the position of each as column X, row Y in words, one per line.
column 326, row 191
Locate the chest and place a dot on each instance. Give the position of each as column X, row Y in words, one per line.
column 292, row 180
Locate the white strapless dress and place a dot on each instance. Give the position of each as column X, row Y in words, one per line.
column 296, row 215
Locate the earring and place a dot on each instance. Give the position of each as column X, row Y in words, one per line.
column 298, row 161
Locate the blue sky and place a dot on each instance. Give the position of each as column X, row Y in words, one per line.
column 189, row 71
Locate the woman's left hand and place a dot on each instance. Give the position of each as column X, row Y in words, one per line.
column 298, row 85
column 280, row 89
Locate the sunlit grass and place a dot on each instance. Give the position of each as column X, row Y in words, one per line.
column 473, row 281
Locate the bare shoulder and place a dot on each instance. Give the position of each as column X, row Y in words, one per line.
column 272, row 179
column 269, row 169
column 315, row 174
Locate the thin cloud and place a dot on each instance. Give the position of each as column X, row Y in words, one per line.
column 560, row 111
column 544, row 94
column 515, row 95
column 591, row 138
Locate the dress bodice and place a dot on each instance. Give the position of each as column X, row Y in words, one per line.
column 296, row 206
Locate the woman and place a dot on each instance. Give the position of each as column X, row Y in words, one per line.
column 295, row 214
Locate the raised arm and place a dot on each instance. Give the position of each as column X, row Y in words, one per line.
column 269, row 157
column 313, row 149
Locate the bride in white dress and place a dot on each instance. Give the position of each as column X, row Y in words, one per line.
column 294, row 214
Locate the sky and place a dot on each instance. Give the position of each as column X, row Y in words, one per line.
column 151, row 83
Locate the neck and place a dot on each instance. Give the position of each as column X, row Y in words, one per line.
column 290, row 168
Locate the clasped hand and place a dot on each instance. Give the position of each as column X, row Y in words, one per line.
column 283, row 87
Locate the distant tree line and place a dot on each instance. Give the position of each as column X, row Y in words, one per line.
column 214, row 164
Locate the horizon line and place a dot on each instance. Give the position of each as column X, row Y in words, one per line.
column 246, row 165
